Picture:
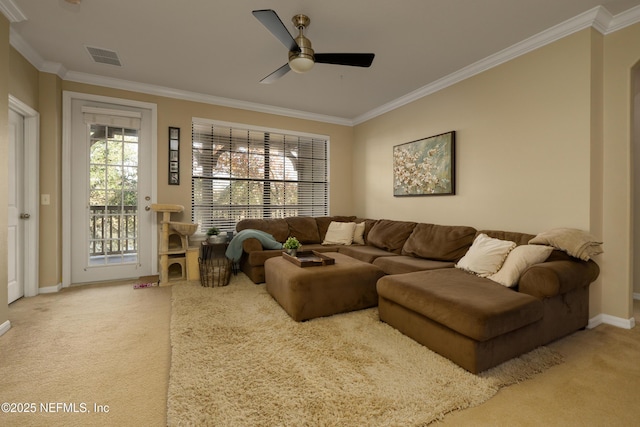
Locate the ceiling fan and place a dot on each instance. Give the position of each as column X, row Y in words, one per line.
column 301, row 55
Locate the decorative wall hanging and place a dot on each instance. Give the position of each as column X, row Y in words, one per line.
column 425, row 167
column 174, row 156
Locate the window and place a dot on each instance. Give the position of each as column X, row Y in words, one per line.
column 241, row 172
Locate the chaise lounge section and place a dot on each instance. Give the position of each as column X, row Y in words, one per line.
column 478, row 323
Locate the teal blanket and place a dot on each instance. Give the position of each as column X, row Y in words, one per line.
column 234, row 250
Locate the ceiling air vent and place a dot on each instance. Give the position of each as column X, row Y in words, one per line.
column 104, row 56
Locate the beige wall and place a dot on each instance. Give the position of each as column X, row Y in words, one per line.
column 523, row 140
column 50, row 101
column 597, row 155
column 621, row 53
column 4, row 144
column 636, row 178
column 23, row 79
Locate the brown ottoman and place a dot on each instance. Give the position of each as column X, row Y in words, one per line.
column 310, row 292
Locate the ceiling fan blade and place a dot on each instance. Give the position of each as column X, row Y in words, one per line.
column 269, row 18
column 352, row 59
column 276, row 74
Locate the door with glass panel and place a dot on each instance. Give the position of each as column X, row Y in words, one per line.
column 110, row 188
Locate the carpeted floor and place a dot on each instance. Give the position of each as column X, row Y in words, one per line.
column 109, row 345
column 238, row 359
column 87, row 356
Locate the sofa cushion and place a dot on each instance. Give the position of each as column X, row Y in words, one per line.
column 514, row 236
column 323, row 223
column 304, row 228
column 277, row 227
column 439, row 242
column 486, row 255
column 365, row 253
column 339, row 233
column 390, row 235
column 470, row 305
column 358, row 233
column 368, row 225
column 407, row 264
column 518, row 260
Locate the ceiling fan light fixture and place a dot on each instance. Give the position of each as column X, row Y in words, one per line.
column 301, row 63
column 301, row 55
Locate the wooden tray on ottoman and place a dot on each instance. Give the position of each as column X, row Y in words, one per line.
column 308, row 259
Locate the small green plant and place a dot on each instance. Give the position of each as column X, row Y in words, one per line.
column 213, row 231
column 291, row 243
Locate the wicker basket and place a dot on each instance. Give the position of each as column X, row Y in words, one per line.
column 215, row 272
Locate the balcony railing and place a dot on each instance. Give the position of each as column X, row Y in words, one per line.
column 113, row 230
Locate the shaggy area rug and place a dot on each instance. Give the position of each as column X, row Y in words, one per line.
column 239, row 360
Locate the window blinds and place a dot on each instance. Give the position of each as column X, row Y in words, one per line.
column 246, row 173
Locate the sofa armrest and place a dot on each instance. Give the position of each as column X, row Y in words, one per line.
column 551, row 278
column 251, row 245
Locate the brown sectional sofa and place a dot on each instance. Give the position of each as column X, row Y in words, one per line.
column 471, row 320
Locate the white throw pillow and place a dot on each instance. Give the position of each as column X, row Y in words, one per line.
column 486, row 255
column 518, row 260
column 358, row 233
column 339, row 233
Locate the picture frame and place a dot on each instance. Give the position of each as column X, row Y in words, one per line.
column 174, row 155
column 425, row 167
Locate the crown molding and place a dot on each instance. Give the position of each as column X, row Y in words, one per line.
column 199, row 97
column 598, row 18
column 12, row 11
column 54, row 68
column 34, row 57
column 623, row 20
column 25, row 49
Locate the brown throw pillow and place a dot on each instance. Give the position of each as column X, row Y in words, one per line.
column 390, row 235
column 439, row 242
column 304, row 229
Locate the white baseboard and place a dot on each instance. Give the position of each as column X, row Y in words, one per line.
column 50, row 289
column 5, row 327
column 611, row 320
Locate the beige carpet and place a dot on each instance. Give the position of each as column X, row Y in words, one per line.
column 239, row 360
column 103, row 345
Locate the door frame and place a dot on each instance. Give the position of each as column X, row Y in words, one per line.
column 67, row 98
column 31, row 188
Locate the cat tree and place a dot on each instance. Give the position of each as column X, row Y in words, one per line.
column 175, row 255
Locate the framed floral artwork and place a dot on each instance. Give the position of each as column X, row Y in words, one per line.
column 425, row 167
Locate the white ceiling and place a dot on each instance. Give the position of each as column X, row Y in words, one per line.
column 217, row 51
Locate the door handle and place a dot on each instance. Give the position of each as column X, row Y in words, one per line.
column 25, row 216
column 147, row 208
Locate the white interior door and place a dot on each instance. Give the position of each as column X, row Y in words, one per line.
column 110, row 187
column 15, row 235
